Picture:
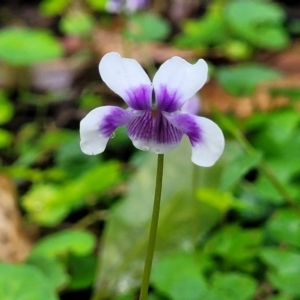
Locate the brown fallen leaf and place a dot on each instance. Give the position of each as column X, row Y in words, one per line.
column 263, row 99
column 145, row 53
column 214, row 96
column 287, row 60
column 14, row 243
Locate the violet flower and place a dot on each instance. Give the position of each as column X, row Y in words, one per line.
column 154, row 121
column 116, row 6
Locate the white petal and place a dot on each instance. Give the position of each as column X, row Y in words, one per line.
column 152, row 146
column 206, row 137
column 128, row 79
column 206, row 152
column 176, row 81
column 192, row 106
column 97, row 127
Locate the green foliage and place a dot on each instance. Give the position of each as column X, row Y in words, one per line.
column 6, row 138
column 24, row 282
column 6, row 108
column 235, row 28
column 52, row 269
column 183, row 220
column 146, row 27
column 62, row 243
column 53, row 7
column 242, row 80
column 232, row 285
column 239, row 167
column 207, row 31
column 82, row 270
column 97, row 4
column 66, row 259
column 233, row 239
column 284, row 227
column 25, row 46
column 227, row 232
column 178, row 276
column 77, row 23
column 6, row 113
column 49, row 204
column 222, row 201
column 284, row 270
column 258, row 22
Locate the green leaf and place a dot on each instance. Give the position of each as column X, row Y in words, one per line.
column 23, row 282
column 53, row 7
column 24, row 46
column 43, row 204
column 6, row 138
column 237, row 168
column 228, row 286
column 242, row 80
column 237, row 49
column 52, row 270
column 267, row 192
column 129, row 296
column 252, row 208
column 82, row 270
column 280, row 297
column 294, row 26
column 97, row 4
column 76, row 23
column 284, row 227
column 207, row 31
column 70, row 158
column 177, row 276
column 64, row 242
column 259, row 22
column 6, row 108
column 222, row 201
column 284, row 270
column 49, row 204
column 147, row 27
column 233, row 239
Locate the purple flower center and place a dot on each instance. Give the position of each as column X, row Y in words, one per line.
column 152, row 126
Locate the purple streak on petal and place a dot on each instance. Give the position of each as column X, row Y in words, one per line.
column 167, row 100
column 114, row 119
column 139, row 98
column 186, row 124
column 192, row 106
column 153, row 127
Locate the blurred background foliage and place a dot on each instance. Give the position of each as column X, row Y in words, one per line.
column 77, row 226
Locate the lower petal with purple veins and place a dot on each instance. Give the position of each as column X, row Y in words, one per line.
column 206, row 137
column 98, row 126
column 151, row 131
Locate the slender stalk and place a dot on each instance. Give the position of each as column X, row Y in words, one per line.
column 153, row 229
column 195, row 179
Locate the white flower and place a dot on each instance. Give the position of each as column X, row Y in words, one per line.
column 153, row 124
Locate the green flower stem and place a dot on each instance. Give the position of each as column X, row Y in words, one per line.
column 195, row 183
column 153, row 228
